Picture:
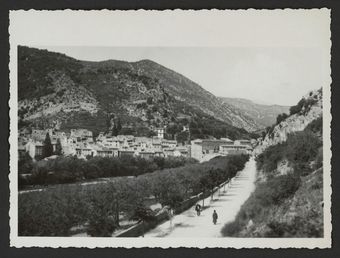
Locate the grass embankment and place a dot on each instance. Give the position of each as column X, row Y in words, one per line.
column 287, row 202
column 102, row 206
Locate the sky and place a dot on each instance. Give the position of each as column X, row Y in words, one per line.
column 265, row 75
column 270, row 56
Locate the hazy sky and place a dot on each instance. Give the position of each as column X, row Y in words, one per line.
column 272, row 56
column 268, row 75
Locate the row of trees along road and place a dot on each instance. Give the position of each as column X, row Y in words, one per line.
column 102, row 206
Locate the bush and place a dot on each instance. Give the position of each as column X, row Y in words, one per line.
column 303, row 105
column 284, row 187
column 281, row 117
column 265, row 196
column 315, row 126
column 267, row 160
column 298, row 227
column 300, row 149
column 297, row 108
column 25, row 165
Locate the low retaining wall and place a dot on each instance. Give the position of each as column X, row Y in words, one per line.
column 138, row 229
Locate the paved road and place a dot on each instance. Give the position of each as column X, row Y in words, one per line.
column 227, row 205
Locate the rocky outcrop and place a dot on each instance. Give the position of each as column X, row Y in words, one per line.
column 311, row 109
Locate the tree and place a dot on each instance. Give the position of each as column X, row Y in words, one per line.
column 58, row 148
column 297, row 108
column 182, row 137
column 47, row 150
column 118, row 125
column 25, row 164
column 205, row 185
column 168, row 190
column 101, row 215
column 143, row 214
column 281, row 117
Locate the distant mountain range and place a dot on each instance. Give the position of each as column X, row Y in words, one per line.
column 62, row 92
column 263, row 115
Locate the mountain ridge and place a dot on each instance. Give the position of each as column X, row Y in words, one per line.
column 57, row 88
column 264, row 115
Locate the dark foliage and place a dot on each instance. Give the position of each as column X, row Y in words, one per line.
column 58, row 148
column 47, row 147
column 71, row 169
column 300, row 149
column 281, row 117
column 266, row 195
column 303, row 106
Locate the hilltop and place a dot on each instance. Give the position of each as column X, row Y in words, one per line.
column 62, row 92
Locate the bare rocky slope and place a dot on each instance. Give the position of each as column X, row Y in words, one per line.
column 310, row 109
column 54, row 88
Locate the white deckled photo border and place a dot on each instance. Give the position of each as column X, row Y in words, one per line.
column 160, row 28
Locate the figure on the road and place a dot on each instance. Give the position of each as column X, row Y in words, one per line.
column 198, row 209
column 215, row 216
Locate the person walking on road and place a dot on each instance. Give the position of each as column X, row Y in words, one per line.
column 215, row 216
column 198, row 209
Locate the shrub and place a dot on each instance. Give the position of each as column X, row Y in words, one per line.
column 297, row 108
column 302, row 148
column 298, row 227
column 315, row 126
column 265, row 196
column 303, row 105
column 284, row 187
column 281, row 117
column 25, row 165
column 270, row 157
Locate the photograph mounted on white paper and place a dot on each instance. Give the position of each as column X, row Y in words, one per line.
column 173, row 129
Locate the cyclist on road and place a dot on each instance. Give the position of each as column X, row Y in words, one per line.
column 198, row 209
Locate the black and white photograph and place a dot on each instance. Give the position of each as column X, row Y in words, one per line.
column 170, row 129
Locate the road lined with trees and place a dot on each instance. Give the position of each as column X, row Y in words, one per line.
column 227, row 202
column 100, row 208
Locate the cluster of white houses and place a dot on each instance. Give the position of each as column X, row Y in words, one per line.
column 208, row 148
column 80, row 142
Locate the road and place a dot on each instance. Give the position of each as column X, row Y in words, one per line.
column 227, row 205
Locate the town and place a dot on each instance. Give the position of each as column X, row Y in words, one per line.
column 82, row 143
